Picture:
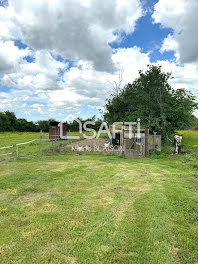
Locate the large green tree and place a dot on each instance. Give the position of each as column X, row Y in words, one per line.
column 154, row 101
column 4, row 122
column 12, row 120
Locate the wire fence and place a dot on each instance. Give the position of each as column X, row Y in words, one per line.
column 21, row 147
column 16, row 144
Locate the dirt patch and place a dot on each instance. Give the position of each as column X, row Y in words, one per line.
column 8, row 194
column 139, row 188
column 47, row 208
column 30, row 197
column 54, row 250
column 120, row 212
column 101, row 199
column 6, row 173
column 174, row 251
column 4, row 249
column 54, row 166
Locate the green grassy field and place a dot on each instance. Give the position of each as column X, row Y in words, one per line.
column 13, row 138
column 91, row 208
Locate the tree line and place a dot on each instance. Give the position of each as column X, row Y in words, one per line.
column 9, row 122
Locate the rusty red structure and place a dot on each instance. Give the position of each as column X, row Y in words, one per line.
column 55, row 130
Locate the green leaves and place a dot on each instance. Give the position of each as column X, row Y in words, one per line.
column 155, row 102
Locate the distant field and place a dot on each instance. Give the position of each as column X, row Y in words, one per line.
column 10, row 138
column 13, row 138
column 190, row 138
column 89, row 208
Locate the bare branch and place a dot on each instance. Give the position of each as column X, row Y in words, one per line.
column 116, row 85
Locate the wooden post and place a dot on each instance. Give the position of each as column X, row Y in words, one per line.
column 17, row 151
column 146, row 142
column 122, row 137
column 154, row 140
column 40, row 141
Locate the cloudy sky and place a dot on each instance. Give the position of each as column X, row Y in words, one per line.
column 58, row 57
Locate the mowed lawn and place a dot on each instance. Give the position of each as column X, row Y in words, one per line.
column 88, row 208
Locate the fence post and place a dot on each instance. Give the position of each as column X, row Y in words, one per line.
column 40, row 141
column 154, row 139
column 17, row 151
column 146, row 142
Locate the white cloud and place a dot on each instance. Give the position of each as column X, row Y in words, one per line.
column 76, row 29
column 38, row 108
column 11, row 56
column 82, row 84
column 8, row 26
column 81, row 31
column 79, row 85
column 169, row 44
column 170, row 13
column 130, row 60
column 181, row 16
column 39, row 75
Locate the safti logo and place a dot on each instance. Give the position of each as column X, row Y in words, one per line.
column 104, row 129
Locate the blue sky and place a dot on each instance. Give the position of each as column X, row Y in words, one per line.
column 149, row 37
column 62, row 68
